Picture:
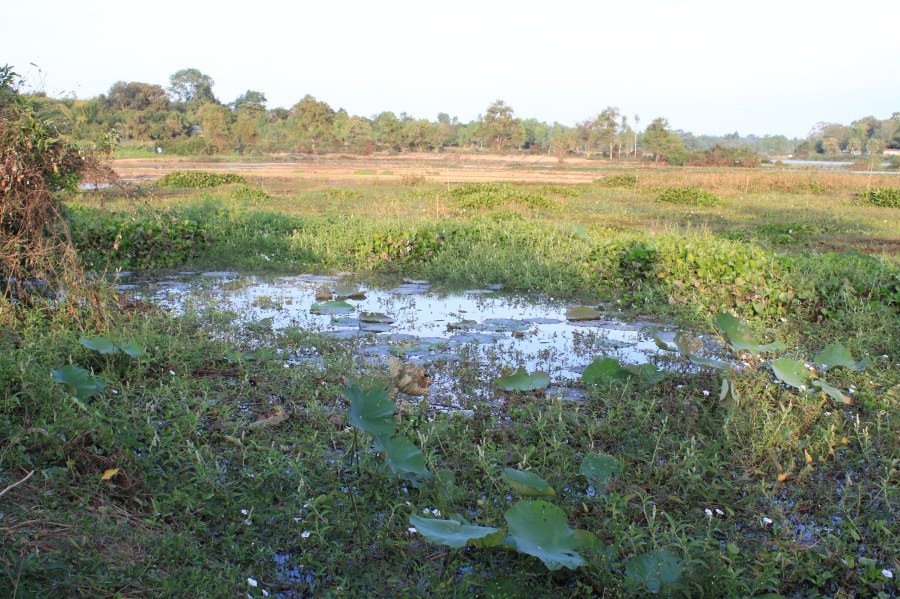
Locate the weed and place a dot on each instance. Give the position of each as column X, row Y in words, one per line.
column 198, row 179
column 689, row 196
column 886, row 197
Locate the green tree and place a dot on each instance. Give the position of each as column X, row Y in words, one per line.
column 661, row 141
column 387, row 131
column 830, row 145
column 250, row 98
column 191, row 86
column 501, row 130
column 313, row 122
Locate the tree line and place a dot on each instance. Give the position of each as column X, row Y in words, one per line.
column 187, row 118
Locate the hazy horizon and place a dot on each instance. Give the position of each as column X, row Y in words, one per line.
column 770, row 68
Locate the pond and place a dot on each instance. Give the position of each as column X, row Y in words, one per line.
column 485, row 331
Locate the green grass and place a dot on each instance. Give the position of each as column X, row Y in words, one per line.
column 179, row 421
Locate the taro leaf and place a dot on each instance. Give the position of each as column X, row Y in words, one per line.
column 540, row 529
column 598, row 468
column 654, row 570
column 78, row 380
column 101, row 345
column 520, row 380
column 453, row 533
column 331, row 308
column 401, row 455
column 132, row 349
column 740, row 338
column 791, row 372
column 376, row 317
column 833, row 392
column 371, row 410
column 527, row 484
column 583, row 313
column 837, row 355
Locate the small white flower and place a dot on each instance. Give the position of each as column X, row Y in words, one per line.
column 887, row 573
column 803, row 387
column 252, row 582
column 790, row 231
column 408, row 503
column 114, row 392
column 766, row 521
column 783, row 319
column 297, row 519
column 426, row 511
column 828, row 413
column 436, row 512
column 720, row 512
column 244, row 512
column 305, row 534
column 706, row 393
column 264, row 592
column 172, row 372
column 411, row 530
column 679, row 386
column 708, row 512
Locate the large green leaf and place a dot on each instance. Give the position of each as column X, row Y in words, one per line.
column 78, row 380
column 331, row 308
column 376, row 317
column 837, row 355
column 605, row 370
column 455, row 533
column 792, row 372
column 527, row 484
column 833, row 392
column 101, row 345
column 583, row 313
column 371, row 410
column 132, row 349
column 598, row 468
column 740, row 338
column 520, row 380
column 655, row 570
column 541, row 529
column 401, row 455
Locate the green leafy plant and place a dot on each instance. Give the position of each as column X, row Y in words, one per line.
column 655, row 570
column 606, row 370
column 527, row 484
column 617, row 180
column 198, row 179
column 836, row 355
column 521, row 380
column 79, row 381
column 331, row 308
column 105, row 347
column 885, row 197
column 737, row 332
column 689, row 196
column 599, row 468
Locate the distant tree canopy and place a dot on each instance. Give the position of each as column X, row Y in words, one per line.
column 187, row 118
column 867, row 135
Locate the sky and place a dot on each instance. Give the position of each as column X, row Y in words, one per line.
column 762, row 67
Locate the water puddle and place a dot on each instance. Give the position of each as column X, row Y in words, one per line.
column 445, row 333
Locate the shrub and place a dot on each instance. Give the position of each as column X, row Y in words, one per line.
column 252, row 195
column 689, row 196
column 886, row 197
column 719, row 156
column 136, row 241
column 342, row 193
column 198, row 179
column 475, row 196
column 618, row 180
column 411, row 180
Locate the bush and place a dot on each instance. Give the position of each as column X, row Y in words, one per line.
column 198, row 179
column 192, row 146
column 886, row 197
column 475, row 196
column 248, row 194
column 719, row 156
column 618, row 180
column 153, row 241
column 689, row 196
column 412, row 180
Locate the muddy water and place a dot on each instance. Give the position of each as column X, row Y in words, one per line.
column 486, row 329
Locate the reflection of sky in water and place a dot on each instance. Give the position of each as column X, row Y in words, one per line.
column 512, row 330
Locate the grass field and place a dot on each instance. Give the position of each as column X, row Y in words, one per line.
column 209, row 465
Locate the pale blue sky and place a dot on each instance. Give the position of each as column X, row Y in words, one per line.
column 708, row 66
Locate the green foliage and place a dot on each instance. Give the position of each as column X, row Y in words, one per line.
column 487, row 196
column 81, row 382
column 655, row 570
column 836, row 355
column 542, row 530
column 342, row 193
column 792, row 372
column 689, row 196
column 617, row 180
column 607, row 370
column 456, row 533
column 395, row 249
column 104, row 346
column 886, row 197
column 136, row 240
column 739, row 336
column 527, row 484
column 332, row 307
column 579, row 313
column 521, row 380
column 599, row 468
column 250, row 195
column 198, row 179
